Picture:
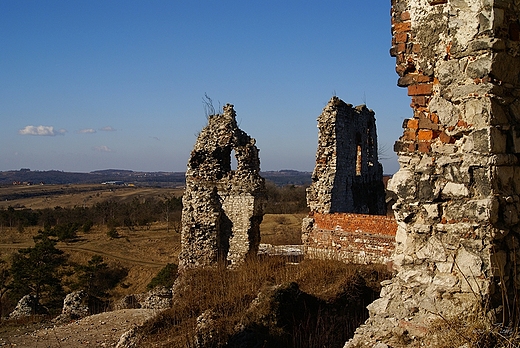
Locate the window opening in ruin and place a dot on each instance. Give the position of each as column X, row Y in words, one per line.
column 358, row 155
column 370, row 152
column 234, row 163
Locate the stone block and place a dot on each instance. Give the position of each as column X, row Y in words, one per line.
column 455, row 190
column 402, row 27
column 432, row 251
column 489, row 140
column 425, row 134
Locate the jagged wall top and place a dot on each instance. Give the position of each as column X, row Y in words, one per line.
column 211, row 156
column 348, row 176
column 222, row 207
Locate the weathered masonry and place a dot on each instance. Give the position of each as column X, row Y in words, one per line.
column 347, row 185
column 458, row 186
column 348, row 177
column 353, row 238
column 222, row 208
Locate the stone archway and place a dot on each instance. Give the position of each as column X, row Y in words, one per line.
column 222, row 207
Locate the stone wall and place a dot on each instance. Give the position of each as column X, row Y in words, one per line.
column 354, row 238
column 222, row 207
column 458, row 184
column 348, row 177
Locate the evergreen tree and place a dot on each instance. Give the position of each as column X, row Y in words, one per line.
column 36, row 271
column 5, row 280
column 97, row 277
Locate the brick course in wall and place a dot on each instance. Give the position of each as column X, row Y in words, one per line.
column 356, row 238
column 347, row 184
column 458, row 186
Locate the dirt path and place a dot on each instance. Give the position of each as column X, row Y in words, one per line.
column 91, row 251
column 100, row 330
column 98, row 252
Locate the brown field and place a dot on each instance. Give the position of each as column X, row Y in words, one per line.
column 144, row 251
column 69, row 196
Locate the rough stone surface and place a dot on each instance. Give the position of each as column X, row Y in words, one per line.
column 348, row 177
column 157, row 298
column 458, row 186
column 347, row 184
column 27, row 306
column 75, row 306
column 222, row 207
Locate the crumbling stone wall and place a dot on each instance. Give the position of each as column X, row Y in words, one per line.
column 222, row 207
column 458, row 184
column 353, row 238
column 347, row 183
column 348, row 177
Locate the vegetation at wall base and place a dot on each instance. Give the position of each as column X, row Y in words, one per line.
column 312, row 304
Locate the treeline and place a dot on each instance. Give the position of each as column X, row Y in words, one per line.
column 138, row 212
column 288, row 199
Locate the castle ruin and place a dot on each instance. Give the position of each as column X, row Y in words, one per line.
column 458, row 186
column 347, row 196
column 222, row 207
column 348, row 177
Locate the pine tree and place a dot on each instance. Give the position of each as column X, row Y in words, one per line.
column 36, row 271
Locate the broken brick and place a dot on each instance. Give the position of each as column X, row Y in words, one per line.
column 421, row 89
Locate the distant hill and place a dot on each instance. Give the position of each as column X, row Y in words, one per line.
column 160, row 179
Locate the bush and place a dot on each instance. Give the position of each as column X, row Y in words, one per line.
column 87, row 226
column 166, row 277
column 112, row 233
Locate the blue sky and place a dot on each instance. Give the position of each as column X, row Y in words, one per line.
column 90, row 85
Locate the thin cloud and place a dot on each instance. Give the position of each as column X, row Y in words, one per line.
column 156, row 138
column 86, row 131
column 107, row 129
column 41, row 131
column 102, row 148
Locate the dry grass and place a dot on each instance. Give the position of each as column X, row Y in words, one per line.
column 282, row 229
column 143, row 250
column 329, row 305
column 474, row 331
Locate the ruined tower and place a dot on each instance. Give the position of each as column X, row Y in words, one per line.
column 348, row 177
column 458, row 185
column 347, row 196
column 222, row 207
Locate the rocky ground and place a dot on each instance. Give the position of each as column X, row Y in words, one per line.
column 100, row 330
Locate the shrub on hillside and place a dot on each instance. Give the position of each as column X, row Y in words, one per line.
column 166, row 277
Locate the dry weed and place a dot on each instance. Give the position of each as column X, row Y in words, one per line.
column 328, row 302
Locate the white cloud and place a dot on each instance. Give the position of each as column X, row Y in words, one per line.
column 86, row 131
column 41, row 130
column 102, row 148
column 107, row 129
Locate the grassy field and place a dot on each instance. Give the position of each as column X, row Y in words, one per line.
column 143, row 250
column 69, row 196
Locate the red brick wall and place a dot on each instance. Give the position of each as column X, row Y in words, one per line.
column 351, row 237
column 361, row 223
